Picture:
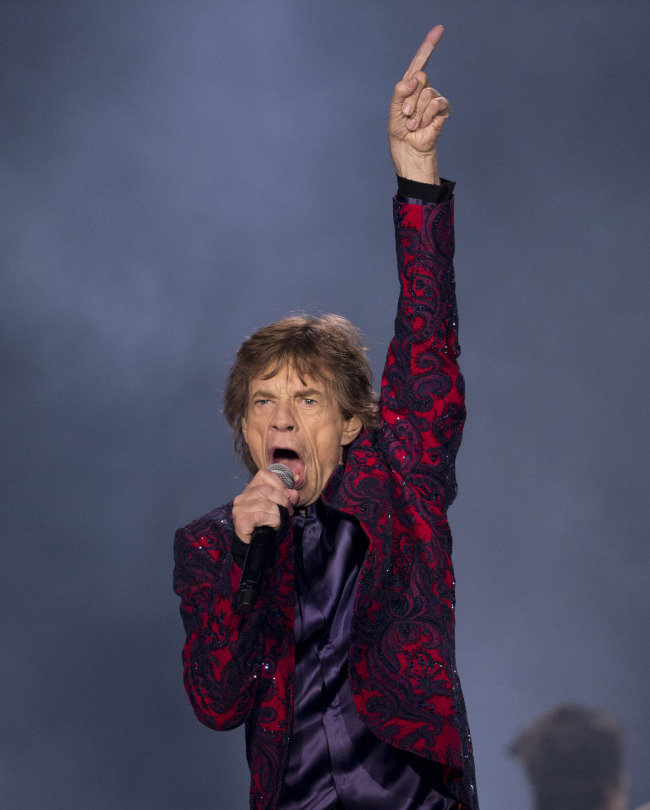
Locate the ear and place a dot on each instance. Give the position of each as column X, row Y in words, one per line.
column 244, row 428
column 351, row 429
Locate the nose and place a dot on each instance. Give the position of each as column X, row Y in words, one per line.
column 283, row 418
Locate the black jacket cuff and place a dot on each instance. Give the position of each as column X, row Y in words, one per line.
column 411, row 191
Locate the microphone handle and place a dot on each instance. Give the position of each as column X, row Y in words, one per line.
column 259, row 552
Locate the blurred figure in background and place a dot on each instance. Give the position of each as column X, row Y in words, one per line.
column 574, row 759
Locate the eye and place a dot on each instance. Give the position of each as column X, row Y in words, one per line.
column 308, row 401
column 261, row 401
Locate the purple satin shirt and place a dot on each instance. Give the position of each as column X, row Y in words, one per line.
column 335, row 760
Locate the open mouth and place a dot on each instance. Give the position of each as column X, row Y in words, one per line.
column 281, row 455
column 292, row 460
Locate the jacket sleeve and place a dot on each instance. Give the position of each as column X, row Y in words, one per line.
column 227, row 656
column 422, row 401
column 402, row 669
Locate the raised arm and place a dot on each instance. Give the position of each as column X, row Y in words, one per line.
column 422, row 388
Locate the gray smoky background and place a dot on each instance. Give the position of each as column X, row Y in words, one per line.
column 175, row 175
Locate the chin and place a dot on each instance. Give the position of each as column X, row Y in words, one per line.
column 305, row 499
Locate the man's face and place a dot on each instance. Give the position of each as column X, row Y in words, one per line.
column 298, row 423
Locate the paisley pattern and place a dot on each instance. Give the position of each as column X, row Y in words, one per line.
column 398, row 482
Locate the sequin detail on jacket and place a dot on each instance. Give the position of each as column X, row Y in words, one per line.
column 398, row 481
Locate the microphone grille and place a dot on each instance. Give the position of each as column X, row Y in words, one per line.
column 283, row 472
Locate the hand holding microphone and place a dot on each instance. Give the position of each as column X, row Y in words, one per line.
column 260, row 501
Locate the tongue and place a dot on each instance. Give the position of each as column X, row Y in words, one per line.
column 293, row 463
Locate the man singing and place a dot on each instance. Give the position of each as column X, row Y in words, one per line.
column 344, row 669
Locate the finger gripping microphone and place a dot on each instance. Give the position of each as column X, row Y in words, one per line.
column 260, row 551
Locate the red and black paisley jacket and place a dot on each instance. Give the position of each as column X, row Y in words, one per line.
column 398, row 482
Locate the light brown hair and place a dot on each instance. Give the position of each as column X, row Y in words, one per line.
column 328, row 348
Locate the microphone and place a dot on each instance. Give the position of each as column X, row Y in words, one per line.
column 260, row 550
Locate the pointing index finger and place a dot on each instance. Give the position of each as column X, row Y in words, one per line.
column 424, row 51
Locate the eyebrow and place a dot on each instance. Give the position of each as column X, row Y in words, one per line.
column 301, row 392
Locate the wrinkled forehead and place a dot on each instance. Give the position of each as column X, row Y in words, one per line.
column 289, row 374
